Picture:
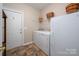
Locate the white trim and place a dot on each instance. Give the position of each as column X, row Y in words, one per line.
column 27, row 43
column 4, row 8
column 23, row 44
column 21, row 12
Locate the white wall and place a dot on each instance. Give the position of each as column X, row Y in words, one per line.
column 57, row 8
column 30, row 18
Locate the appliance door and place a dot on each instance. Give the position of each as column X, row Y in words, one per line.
column 65, row 35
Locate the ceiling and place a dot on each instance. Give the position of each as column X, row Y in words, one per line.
column 38, row 6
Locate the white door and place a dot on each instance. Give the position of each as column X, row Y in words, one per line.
column 14, row 29
column 66, row 35
column 0, row 28
column 44, row 42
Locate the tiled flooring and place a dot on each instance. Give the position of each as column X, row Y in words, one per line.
column 28, row 50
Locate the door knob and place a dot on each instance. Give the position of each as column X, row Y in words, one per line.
column 2, row 49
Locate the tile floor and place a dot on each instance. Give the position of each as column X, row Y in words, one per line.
column 28, row 50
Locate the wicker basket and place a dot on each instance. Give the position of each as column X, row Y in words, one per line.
column 73, row 7
column 50, row 14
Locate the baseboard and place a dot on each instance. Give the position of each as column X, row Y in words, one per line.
column 22, row 45
column 27, row 43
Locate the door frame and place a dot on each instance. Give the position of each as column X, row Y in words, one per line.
column 21, row 12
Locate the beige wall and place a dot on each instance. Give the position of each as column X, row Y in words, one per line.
column 30, row 19
column 57, row 8
column 31, row 16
